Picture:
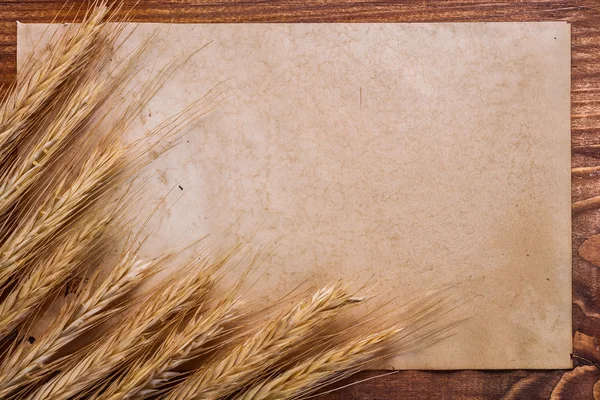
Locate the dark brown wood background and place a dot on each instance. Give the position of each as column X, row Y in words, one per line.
column 580, row 383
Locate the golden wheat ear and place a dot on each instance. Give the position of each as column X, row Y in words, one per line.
column 27, row 365
column 146, row 374
column 27, row 225
column 262, row 350
column 98, row 178
column 49, row 274
column 31, row 97
column 135, row 334
column 108, row 164
column 59, row 143
column 309, row 375
column 422, row 322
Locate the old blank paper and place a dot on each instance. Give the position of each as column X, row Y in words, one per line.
column 420, row 155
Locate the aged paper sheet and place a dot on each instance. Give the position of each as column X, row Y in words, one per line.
column 414, row 155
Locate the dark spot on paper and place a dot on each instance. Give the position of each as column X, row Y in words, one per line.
column 31, row 339
column 180, row 187
column 149, row 113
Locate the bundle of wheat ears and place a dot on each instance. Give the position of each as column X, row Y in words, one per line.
column 67, row 195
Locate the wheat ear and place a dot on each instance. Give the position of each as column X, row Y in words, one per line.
column 63, row 131
column 26, row 101
column 178, row 347
column 260, row 351
column 108, row 165
column 30, row 293
column 98, row 177
column 310, row 374
column 420, row 326
column 341, row 361
column 130, row 338
column 26, row 365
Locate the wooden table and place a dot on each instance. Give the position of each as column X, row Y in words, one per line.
column 579, row 383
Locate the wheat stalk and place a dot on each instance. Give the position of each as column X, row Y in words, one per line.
column 262, row 350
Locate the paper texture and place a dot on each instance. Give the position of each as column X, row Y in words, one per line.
column 419, row 155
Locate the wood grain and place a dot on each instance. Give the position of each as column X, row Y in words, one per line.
column 585, row 18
